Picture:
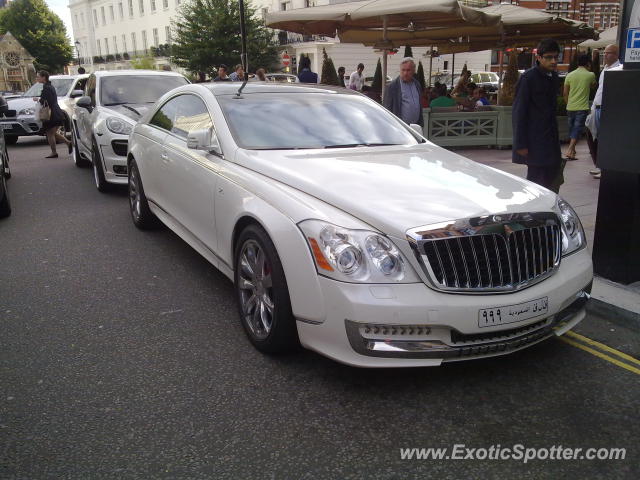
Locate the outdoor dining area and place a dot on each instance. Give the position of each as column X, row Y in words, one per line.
column 446, row 27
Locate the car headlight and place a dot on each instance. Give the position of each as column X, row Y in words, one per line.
column 27, row 111
column 573, row 237
column 117, row 125
column 355, row 255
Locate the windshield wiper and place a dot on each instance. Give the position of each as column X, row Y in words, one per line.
column 132, row 109
column 353, row 145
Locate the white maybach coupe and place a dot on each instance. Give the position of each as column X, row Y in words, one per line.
column 345, row 230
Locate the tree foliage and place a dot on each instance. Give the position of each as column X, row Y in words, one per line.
column 207, row 33
column 40, row 31
column 420, row 75
column 329, row 75
column 376, row 85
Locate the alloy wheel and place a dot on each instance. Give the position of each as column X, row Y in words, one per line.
column 134, row 194
column 256, row 289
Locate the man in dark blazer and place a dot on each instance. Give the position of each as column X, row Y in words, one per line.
column 536, row 141
column 402, row 96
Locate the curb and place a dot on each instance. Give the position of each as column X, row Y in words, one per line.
column 615, row 314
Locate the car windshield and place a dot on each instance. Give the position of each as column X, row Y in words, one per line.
column 62, row 86
column 122, row 89
column 489, row 77
column 311, row 120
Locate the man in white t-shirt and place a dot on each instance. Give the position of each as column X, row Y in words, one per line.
column 356, row 80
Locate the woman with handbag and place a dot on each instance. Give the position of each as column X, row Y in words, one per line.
column 50, row 114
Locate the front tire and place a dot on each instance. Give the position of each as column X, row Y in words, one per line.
column 98, row 172
column 78, row 160
column 262, row 293
column 5, row 206
column 142, row 216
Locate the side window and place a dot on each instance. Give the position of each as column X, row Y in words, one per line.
column 91, row 89
column 191, row 114
column 182, row 115
column 80, row 84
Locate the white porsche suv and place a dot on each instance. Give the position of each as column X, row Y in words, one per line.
column 105, row 116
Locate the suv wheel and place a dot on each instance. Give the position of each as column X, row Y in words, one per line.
column 142, row 216
column 98, row 172
column 78, row 160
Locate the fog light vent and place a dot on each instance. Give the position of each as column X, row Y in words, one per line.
column 120, row 169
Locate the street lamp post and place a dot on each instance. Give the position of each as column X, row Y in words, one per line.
column 78, row 52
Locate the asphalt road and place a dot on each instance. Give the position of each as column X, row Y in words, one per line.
column 121, row 356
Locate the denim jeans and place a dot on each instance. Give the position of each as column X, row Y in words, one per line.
column 576, row 122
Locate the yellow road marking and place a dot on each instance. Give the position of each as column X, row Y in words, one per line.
column 615, row 361
column 601, row 346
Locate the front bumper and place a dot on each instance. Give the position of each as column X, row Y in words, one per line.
column 113, row 149
column 412, row 325
column 20, row 126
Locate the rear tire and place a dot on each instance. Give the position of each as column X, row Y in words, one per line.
column 141, row 214
column 262, row 293
column 5, row 206
column 98, row 172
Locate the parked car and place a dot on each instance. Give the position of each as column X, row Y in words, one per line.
column 5, row 173
column 282, row 78
column 103, row 119
column 368, row 81
column 445, row 78
column 489, row 80
column 25, row 123
column 356, row 237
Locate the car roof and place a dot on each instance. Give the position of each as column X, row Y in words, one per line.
column 83, row 75
column 115, row 73
column 231, row 88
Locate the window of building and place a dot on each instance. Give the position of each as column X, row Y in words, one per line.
column 177, row 2
column 82, row 19
column 112, row 15
column 95, row 17
column 141, row 6
column 124, row 42
column 167, row 34
column 133, row 41
column 115, row 44
column 144, row 40
column 165, row 4
column 106, row 46
column 99, row 49
column 131, row 8
column 264, row 13
column 153, row 5
column 121, row 10
column 285, row 6
column 104, row 18
column 591, row 19
column 156, row 38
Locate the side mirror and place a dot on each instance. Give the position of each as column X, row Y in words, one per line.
column 76, row 94
column 416, row 128
column 84, row 102
column 204, row 139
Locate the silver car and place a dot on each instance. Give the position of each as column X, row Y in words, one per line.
column 25, row 123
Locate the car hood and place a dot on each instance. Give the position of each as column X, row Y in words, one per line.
column 140, row 108
column 19, row 103
column 400, row 187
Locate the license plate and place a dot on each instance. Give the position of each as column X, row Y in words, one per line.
column 7, row 126
column 487, row 317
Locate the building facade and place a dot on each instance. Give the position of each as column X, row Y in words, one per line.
column 17, row 72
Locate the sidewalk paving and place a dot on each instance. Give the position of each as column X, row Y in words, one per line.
column 581, row 191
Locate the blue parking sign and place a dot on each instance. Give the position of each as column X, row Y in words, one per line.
column 633, row 38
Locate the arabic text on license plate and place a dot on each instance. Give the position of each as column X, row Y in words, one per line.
column 7, row 126
column 488, row 317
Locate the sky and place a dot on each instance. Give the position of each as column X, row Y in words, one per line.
column 61, row 8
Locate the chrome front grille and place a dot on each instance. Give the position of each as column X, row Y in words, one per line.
column 489, row 254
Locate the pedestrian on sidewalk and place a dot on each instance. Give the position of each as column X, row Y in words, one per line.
column 577, row 87
column 341, row 71
column 306, row 75
column 536, row 142
column 593, row 120
column 222, row 74
column 238, row 74
column 356, row 80
column 402, row 96
column 49, row 98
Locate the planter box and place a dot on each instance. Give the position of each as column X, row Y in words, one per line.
column 461, row 129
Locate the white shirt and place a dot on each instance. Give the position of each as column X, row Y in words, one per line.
column 356, row 79
column 597, row 100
